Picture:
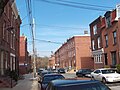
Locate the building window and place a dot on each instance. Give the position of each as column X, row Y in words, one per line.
column 98, row 42
column 14, row 41
column 97, row 58
column 11, row 40
column 4, row 25
column 108, row 21
column 114, row 61
column 12, row 19
column 93, row 45
column 114, row 37
column 11, row 61
column 6, row 60
column 7, row 35
column 95, row 29
column 106, row 40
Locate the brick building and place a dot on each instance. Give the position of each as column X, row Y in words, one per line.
column 9, row 41
column 24, row 59
column 75, row 53
column 105, row 38
column 51, row 63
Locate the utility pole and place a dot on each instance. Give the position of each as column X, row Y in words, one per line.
column 33, row 42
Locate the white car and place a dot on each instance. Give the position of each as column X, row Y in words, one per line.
column 105, row 75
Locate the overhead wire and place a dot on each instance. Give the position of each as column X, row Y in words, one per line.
column 73, row 5
column 48, row 41
column 79, row 3
column 29, row 14
column 63, row 27
column 56, row 26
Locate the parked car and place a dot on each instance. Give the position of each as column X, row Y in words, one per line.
column 83, row 73
column 40, row 70
column 105, row 75
column 49, row 77
column 76, row 85
column 43, row 73
column 61, row 70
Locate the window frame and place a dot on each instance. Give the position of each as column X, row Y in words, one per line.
column 106, row 40
column 95, row 29
column 93, row 44
column 98, row 42
column 114, row 37
column 108, row 21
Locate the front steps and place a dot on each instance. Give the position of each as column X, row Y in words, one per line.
column 7, row 82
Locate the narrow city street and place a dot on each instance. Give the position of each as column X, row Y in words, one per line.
column 29, row 84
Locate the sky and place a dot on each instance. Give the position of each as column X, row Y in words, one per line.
column 55, row 23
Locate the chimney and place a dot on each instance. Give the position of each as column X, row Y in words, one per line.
column 85, row 32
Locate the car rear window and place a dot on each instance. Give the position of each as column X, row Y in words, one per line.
column 92, row 86
column 108, row 71
column 47, row 79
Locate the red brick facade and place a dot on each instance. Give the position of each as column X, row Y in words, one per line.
column 75, row 53
column 51, row 63
column 24, row 60
column 9, row 40
column 105, row 38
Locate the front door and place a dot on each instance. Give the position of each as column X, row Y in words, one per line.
column 106, row 59
column 113, row 56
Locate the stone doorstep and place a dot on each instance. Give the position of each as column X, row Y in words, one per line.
column 3, row 85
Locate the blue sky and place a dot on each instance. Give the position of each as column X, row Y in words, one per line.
column 57, row 23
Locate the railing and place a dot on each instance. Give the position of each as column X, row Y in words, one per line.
column 9, row 76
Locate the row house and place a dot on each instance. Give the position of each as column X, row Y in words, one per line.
column 105, row 38
column 51, row 63
column 57, row 59
column 9, row 41
column 74, row 54
column 24, row 58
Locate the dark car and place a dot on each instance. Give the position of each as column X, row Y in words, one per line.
column 84, row 73
column 76, row 85
column 61, row 70
column 40, row 70
column 49, row 77
column 43, row 73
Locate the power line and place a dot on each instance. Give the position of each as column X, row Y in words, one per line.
column 60, row 26
column 55, row 26
column 84, row 4
column 24, row 17
column 74, row 6
column 48, row 41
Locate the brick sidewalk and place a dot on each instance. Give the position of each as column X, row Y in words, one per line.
column 25, row 84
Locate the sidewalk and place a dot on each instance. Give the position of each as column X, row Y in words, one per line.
column 25, row 84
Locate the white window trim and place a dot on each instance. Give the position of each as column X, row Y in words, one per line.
column 97, row 58
column 95, row 29
column 93, row 45
column 98, row 42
